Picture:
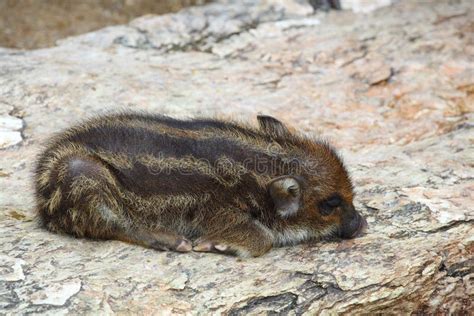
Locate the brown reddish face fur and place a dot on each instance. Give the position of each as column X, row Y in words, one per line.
column 325, row 198
column 202, row 185
column 330, row 201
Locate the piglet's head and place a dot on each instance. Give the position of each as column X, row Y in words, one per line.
column 317, row 197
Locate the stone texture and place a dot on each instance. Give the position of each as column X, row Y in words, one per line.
column 393, row 90
column 364, row 6
column 10, row 131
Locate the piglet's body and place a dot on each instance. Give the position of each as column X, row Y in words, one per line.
column 203, row 184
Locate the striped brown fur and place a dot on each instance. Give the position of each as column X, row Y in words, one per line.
column 202, row 184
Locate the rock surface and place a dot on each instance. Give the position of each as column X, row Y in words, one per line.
column 31, row 24
column 394, row 90
column 364, row 6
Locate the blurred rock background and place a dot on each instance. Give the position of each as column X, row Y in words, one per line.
column 33, row 24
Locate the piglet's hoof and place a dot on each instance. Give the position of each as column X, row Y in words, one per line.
column 184, row 245
column 207, row 246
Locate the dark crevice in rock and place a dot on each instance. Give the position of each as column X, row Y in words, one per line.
column 327, row 285
column 204, row 44
column 457, row 270
column 277, row 304
column 273, row 84
column 442, row 266
column 325, row 5
column 312, row 290
column 449, row 226
column 142, row 43
column 309, row 292
column 464, row 125
column 8, row 297
column 461, row 269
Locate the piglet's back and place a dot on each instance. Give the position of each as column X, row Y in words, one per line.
column 161, row 155
column 153, row 171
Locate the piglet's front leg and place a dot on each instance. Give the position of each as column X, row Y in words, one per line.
column 247, row 239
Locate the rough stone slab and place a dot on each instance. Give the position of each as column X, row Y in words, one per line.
column 8, row 122
column 9, row 138
column 392, row 89
column 10, row 130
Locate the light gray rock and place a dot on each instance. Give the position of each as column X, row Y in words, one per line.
column 8, row 122
column 10, row 131
column 364, row 6
column 9, row 138
column 393, row 90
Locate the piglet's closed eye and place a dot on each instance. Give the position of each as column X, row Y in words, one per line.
column 286, row 194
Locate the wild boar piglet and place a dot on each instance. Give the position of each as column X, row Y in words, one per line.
column 199, row 184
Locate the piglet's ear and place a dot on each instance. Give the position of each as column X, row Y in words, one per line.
column 272, row 126
column 286, row 194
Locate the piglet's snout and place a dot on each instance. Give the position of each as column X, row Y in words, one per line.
column 354, row 227
column 362, row 227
